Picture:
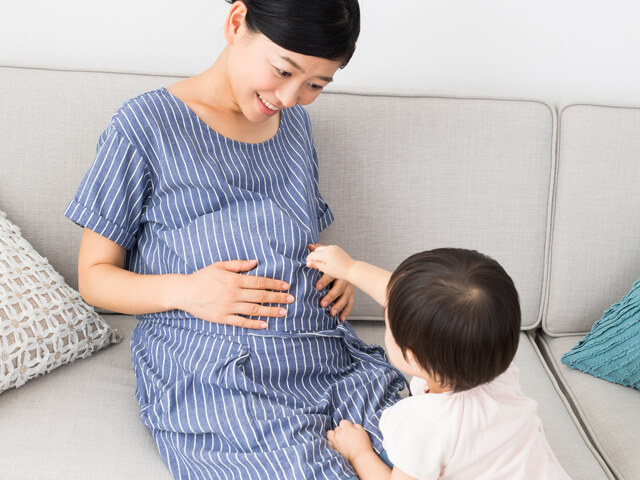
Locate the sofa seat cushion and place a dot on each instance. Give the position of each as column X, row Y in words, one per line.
column 566, row 439
column 80, row 421
column 608, row 411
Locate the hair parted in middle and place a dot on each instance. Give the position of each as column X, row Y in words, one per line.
column 458, row 312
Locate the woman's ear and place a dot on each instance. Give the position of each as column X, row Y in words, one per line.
column 235, row 22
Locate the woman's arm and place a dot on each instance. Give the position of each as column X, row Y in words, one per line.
column 216, row 293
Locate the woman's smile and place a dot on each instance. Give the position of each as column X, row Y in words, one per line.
column 267, row 107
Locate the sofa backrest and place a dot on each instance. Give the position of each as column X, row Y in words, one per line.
column 51, row 121
column 595, row 248
column 404, row 174
column 401, row 173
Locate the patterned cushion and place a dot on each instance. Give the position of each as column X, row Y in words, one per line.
column 43, row 322
column 611, row 350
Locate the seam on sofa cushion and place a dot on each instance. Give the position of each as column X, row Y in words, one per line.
column 575, row 411
column 551, row 227
column 551, row 208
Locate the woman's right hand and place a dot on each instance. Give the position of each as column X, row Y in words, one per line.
column 219, row 293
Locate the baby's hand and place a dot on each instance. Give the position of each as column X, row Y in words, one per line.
column 331, row 260
column 350, row 440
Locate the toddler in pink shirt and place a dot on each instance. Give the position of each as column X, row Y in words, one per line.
column 453, row 323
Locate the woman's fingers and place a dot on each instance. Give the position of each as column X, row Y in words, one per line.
column 261, row 283
column 346, row 311
column 343, row 300
column 337, row 289
column 237, row 265
column 323, row 282
column 257, row 310
column 245, row 322
column 263, row 296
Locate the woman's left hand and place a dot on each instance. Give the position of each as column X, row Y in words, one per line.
column 340, row 295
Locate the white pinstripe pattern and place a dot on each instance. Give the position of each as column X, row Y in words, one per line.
column 220, row 401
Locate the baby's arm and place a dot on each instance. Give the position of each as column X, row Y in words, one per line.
column 336, row 262
column 353, row 443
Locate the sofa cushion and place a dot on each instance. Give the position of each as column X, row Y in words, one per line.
column 611, row 350
column 44, row 323
column 82, row 420
column 498, row 206
column 407, row 174
column 595, row 250
column 51, row 121
column 609, row 412
column 566, row 437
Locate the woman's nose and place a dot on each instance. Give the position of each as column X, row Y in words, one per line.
column 288, row 96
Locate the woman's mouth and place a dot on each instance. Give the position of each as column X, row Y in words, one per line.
column 268, row 104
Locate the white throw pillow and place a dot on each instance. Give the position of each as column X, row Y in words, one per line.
column 44, row 323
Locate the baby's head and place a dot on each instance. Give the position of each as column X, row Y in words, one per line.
column 456, row 312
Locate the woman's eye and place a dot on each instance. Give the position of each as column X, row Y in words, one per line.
column 313, row 86
column 283, row 73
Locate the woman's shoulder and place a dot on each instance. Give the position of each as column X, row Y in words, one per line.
column 299, row 122
column 144, row 119
column 300, row 114
column 145, row 108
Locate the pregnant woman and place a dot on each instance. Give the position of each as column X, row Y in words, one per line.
column 198, row 213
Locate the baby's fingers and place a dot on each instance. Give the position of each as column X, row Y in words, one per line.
column 331, row 438
column 315, row 260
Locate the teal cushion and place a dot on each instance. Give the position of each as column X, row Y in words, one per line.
column 611, row 350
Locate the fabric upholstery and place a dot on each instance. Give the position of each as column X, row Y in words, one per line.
column 51, row 124
column 416, row 173
column 100, row 408
column 80, row 421
column 609, row 412
column 498, row 206
column 595, row 250
column 402, row 174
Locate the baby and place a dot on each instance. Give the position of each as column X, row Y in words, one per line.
column 452, row 322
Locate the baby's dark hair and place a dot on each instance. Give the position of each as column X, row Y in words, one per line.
column 458, row 312
column 326, row 29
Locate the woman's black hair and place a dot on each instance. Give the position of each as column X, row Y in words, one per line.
column 458, row 312
column 318, row 28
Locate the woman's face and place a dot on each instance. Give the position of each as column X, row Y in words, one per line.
column 265, row 78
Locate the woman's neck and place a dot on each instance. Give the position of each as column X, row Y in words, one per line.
column 211, row 97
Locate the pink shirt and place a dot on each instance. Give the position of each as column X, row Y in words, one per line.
column 489, row 432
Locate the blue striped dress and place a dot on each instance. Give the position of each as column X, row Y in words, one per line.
column 224, row 402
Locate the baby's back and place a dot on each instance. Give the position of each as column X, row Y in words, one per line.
column 489, row 432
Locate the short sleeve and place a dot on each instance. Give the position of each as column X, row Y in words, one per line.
column 412, row 442
column 112, row 193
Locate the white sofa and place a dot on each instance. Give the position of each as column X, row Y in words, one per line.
column 551, row 195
